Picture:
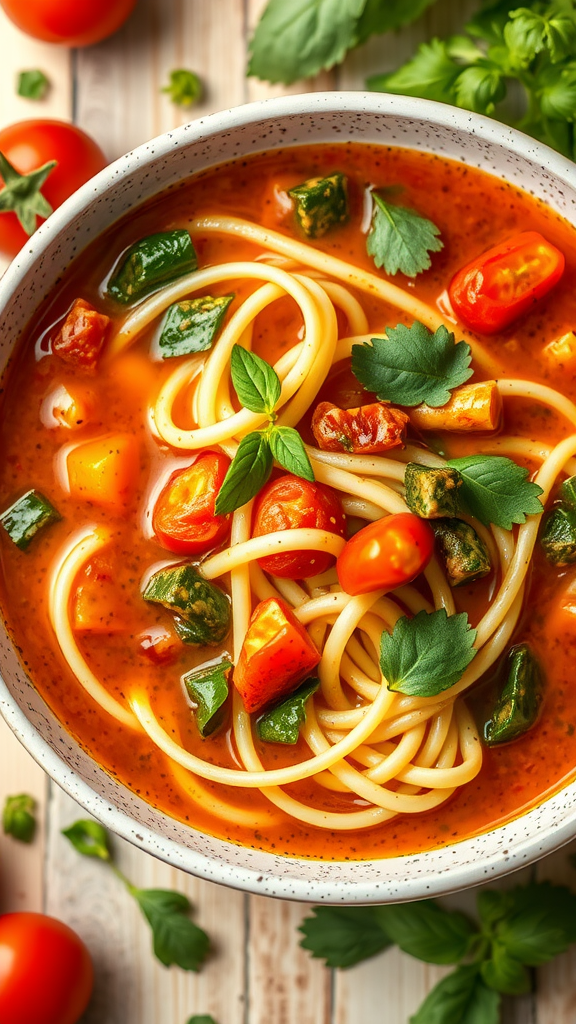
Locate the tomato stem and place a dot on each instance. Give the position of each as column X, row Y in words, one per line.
column 22, row 193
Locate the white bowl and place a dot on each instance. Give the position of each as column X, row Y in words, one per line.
column 318, row 117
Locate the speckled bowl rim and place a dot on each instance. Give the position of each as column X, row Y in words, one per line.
column 435, row 872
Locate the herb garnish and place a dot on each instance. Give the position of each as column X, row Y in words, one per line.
column 18, row 817
column 427, row 654
column 411, row 365
column 400, row 238
column 184, row 87
column 258, row 388
column 177, row 940
column 202, row 1018
column 496, row 490
column 32, row 85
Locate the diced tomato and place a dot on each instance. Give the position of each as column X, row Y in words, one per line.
column 365, row 430
column 97, row 604
column 291, row 503
column 104, row 470
column 184, row 520
column 82, row 336
column 276, row 655
column 159, row 645
column 386, row 554
column 501, row 284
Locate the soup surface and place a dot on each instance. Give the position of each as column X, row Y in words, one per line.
column 104, row 421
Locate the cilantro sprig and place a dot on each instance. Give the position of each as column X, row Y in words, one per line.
column 258, row 388
column 427, row 654
column 497, row 490
column 176, row 939
column 400, row 238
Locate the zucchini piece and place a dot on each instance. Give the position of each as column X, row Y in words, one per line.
column 568, row 492
column 191, row 325
column 208, row 688
column 520, row 702
column 321, row 203
column 29, row 514
column 559, row 536
column 152, row 262
column 282, row 723
column 432, row 493
column 464, row 553
column 202, row 609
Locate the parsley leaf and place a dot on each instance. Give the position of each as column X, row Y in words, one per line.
column 343, row 936
column 427, row 931
column 184, row 87
column 385, row 15
column 32, row 85
column 255, row 382
column 496, row 490
column 400, row 238
column 247, row 473
column 480, row 87
column 89, row 838
column 461, row 998
column 427, row 654
column 177, row 940
column 431, row 74
column 412, row 365
column 288, row 449
column 558, row 92
column 18, row 818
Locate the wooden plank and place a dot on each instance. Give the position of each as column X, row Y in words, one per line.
column 22, row 865
column 19, row 52
column 389, row 988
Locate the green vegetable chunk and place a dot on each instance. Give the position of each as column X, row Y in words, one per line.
column 18, row 818
column 568, row 492
column 282, row 723
column 191, row 325
column 321, row 204
column 208, row 688
column 519, row 703
column 464, row 552
column 27, row 516
column 432, row 493
column 202, row 609
column 559, row 536
column 151, row 262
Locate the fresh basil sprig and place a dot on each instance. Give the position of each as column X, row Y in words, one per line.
column 400, row 239
column 258, row 388
column 427, row 654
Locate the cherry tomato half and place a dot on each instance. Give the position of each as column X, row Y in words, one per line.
column 501, row 284
column 291, row 503
column 386, row 554
column 183, row 518
column 46, row 974
column 28, row 145
column 72, row 22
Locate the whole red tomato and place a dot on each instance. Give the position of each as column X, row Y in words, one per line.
column 386, row 554
column 28, row 145
column 73, row 22
column 46, row 972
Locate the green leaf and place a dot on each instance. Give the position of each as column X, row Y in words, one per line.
column 255, row 382
column 184, row 88
column 282, row 723
column 525, row 36
column 288, row 449
column 298, row 39
column 400, row 239
column 385, row 15
column 496, row 490
column 89, row 838
column 412, row 365
column 208, row 688
column 177, row 940
column 431, row 74
column 492, row 905
column 343, row 936
column 18, row 817
column 247, row 473
column 557, row 91
column 561, row 35
column 504, row 974
column 427, row 931
column 201, row 1019
column 480, row 87
column 488, row 23
column 32, row 85
column 21, row 193
column 427, row 654
column 461, row 998
column 540, row 923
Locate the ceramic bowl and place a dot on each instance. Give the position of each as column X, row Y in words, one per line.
column 317, row 117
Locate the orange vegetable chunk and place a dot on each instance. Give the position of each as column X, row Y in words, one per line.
column 97, row 605
column 104, row 470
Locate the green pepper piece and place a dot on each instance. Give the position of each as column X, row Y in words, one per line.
column 282, row 723
column 464, row 553
column 18, row 817
column 568, row 492
column 321, row 204
column 519, row 704
column 191, row 325
column 29, row 514
column 559, row 536
column 432, row 493
column 152, row 262
column 202, row 609
column 208, row 688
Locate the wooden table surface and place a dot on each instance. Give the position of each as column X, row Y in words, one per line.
column 257, row 973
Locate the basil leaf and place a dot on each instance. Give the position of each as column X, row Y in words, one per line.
column 89, row 838
column 431, row 73
column 427, row 931
column 385, row 15
column 461, row 998
column 400, row 238
column 412, row 365
column 32, row 85
column 18, row 817
column 343, row 936
column 288, row 449
column 428, row 653
column 255, row 382
column 492, row 906
column 184, row 87
column 177, row 940
column 247, row 473
column 504, row 974
column 282, row 723
column 496, row 490
column 540, row 922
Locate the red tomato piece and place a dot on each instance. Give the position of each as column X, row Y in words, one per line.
column 276, row 655
column 82, row 336
column 291, row 503
column 364, row 430
column 184, row 520
column 386, row 554
column 72, row 22
column 501, row 284
column 159, row 645
column 46, row 973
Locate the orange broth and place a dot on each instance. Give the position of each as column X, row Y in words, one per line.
column 473, row 211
